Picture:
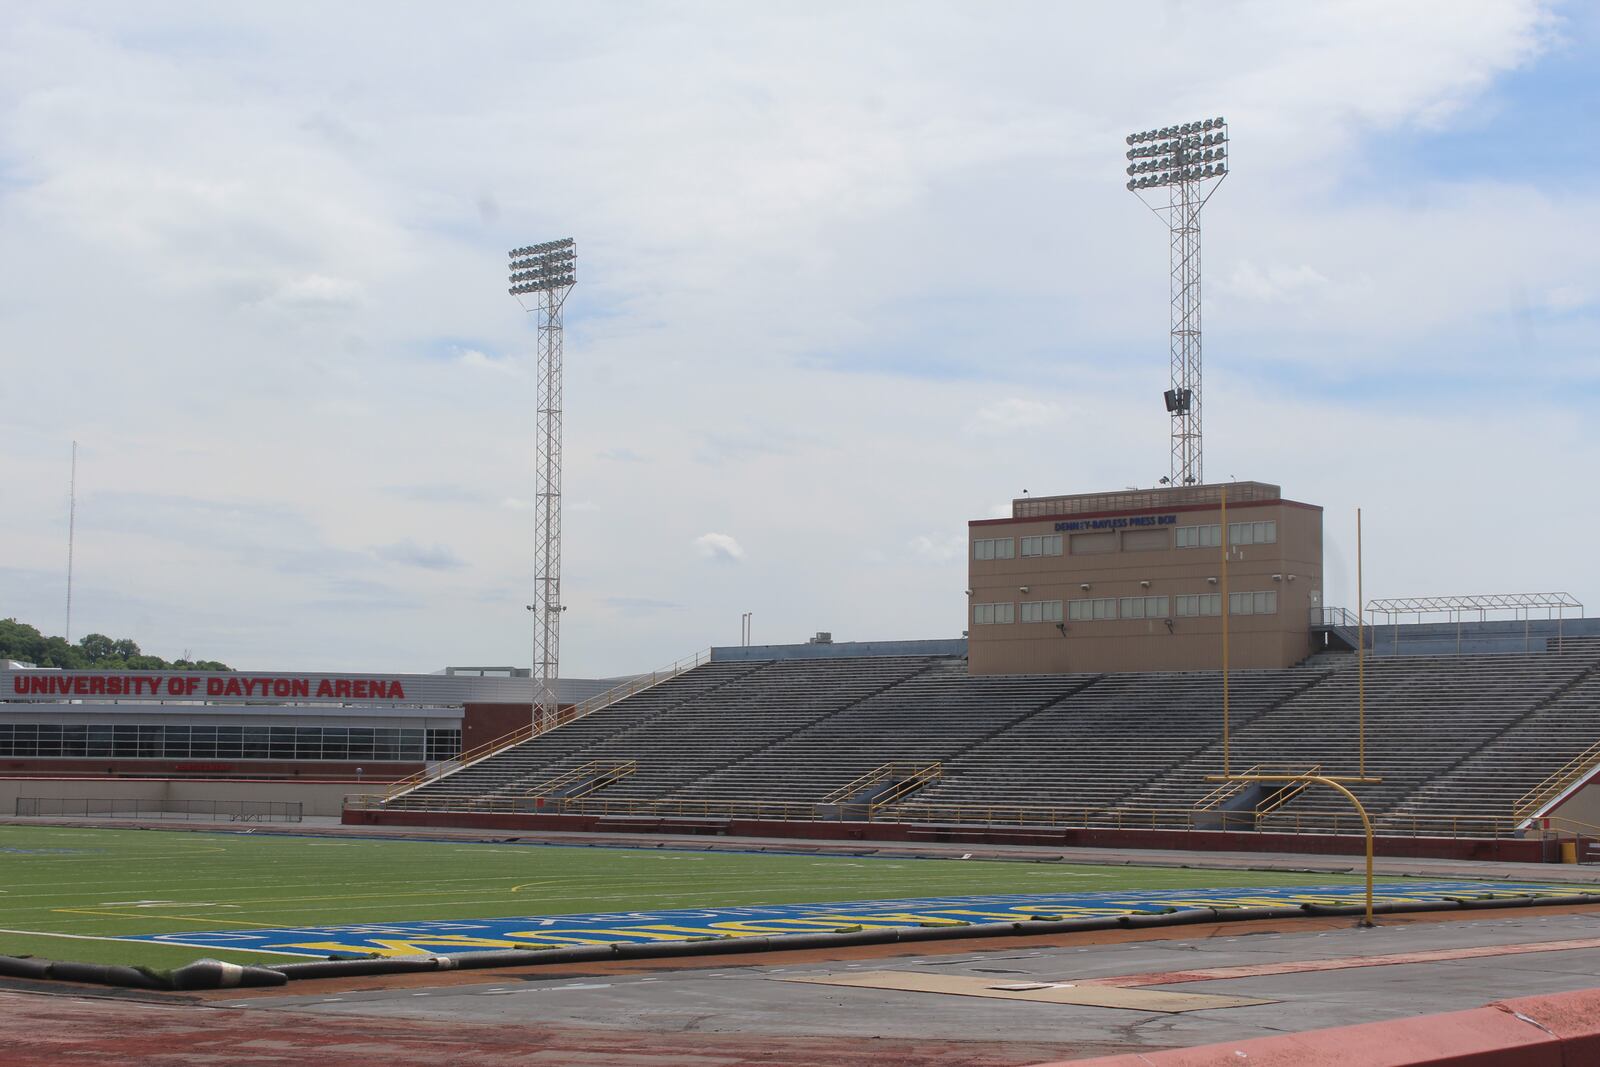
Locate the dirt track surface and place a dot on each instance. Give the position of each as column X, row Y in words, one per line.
column 39, row 1030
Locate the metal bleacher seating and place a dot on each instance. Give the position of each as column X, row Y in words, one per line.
column 1424, row 715
column 1463, row 736
column 1104, row 742
column 526, row 763
column 933, row 716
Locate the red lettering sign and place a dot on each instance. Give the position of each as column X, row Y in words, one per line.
column 243, row 687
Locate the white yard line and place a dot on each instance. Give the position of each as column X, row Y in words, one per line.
column 139, row 941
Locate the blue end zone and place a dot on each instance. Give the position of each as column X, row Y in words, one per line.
column 439, row 937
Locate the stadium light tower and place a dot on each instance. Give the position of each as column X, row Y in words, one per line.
column 546, row 272
column 1188, row 161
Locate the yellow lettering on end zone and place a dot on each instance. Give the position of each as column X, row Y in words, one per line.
column 817, row 923
column 901, row 918
column 1248, row 902
column 560, row 940
column 1018, row 916
column 386, row 947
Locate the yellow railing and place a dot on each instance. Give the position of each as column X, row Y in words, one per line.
column 1226, row 790
column 1283, row 796
column 911, row 776
column 1571, row 772
column 528, row 732
column 1017, row 816
column 745, row 809
column 586, row 779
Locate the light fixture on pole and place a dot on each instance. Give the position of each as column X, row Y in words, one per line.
column 1189, row 161
column 546, row 272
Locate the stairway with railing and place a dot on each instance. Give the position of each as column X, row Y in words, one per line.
column 1528, row 764
column 525, row 760
column 1093, row 750
column 725, row 727
column 1424, row 716
column 934, row 715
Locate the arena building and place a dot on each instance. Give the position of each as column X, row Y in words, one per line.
column 1137, row 581
column 257, row 724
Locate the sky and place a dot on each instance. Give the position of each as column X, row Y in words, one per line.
column 848, row 276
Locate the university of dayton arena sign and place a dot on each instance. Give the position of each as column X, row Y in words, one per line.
column 67, row 685
column 35, row 685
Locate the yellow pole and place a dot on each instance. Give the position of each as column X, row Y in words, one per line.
column 1366, row 826
column 1361, row 656
column 1225, row 614
column 1366, row 823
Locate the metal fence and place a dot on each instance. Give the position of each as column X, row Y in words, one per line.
column 117, row 808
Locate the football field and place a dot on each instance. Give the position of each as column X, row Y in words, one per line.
column 163, row 898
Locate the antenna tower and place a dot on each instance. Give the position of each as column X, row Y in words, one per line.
column 72, row 530
column 546, row 273
column 1189, row 161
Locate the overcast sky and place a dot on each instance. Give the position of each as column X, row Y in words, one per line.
column 849, row 275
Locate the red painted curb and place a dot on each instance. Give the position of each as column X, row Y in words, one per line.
column 1561, row 1030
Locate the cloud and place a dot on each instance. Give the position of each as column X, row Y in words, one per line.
column 410, row 554
column 939, row 549
column 316, row 292
column 438, row 494
column 719, row 547
column 1013, row 414
column 472, row 359
column 1568, row 298
column 1272, row 283
column 642, row 603
column 865, row 270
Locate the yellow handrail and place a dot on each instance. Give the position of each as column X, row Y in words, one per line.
column 1021, row 816
column 589, row 777
column 910, row 772
column 589, row 706
column 1283, row 796
column 1574, row 769
column 1229, row 788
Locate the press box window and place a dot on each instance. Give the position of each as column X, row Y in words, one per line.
column 1253, row 603
column 1253, row 533
column 1043, row 545
column 1198, row 604
column 1144, row 607
column 993, row 548
column 1092, row 609
column 1200, row 536
column 1041, row 611
column 993, row 614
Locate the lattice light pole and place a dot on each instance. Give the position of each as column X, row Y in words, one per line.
column 547, row 272
column 1189, row 161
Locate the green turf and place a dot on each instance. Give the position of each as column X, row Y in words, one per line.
column 110, row 883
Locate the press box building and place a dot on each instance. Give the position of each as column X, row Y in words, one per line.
column 1135, row 581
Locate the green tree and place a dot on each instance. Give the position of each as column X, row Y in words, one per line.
column 19, row 641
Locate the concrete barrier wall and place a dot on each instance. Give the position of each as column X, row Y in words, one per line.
column 318, row 797
column 1504, row 849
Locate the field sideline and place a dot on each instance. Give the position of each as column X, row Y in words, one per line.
column 101, row 885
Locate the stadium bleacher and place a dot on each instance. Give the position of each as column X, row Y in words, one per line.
column 1454, row 736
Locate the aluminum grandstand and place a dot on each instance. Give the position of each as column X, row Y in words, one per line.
column 1471, row 747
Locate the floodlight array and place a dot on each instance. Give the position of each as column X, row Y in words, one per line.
column 1171, row 155
column 544, row 267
